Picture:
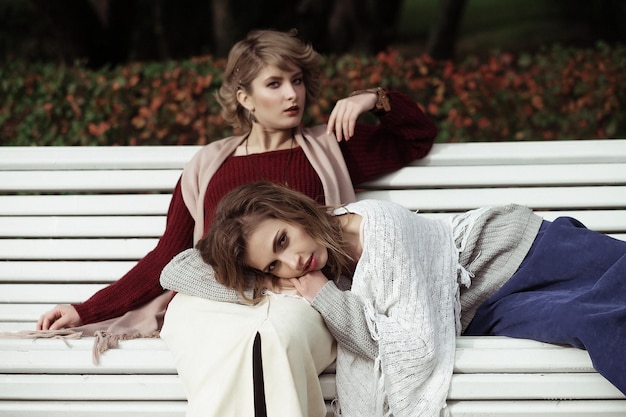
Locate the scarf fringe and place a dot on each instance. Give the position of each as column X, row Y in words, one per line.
column 63, row 334
column 104, row 341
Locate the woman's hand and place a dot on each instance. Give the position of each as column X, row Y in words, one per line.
column 346, row 112
column 60, row 317
column 310, row 284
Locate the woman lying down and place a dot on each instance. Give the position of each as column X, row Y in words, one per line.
column 395, row 287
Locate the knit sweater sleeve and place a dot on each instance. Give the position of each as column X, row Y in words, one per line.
column 344, row 315
column 141, row 283
column 402, row 135
column 187, row 273
column 492, row 251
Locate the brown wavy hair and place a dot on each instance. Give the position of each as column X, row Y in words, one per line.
column 238, row 214
column 249, row 56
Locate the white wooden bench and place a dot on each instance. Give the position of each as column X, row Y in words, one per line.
column 73, row 220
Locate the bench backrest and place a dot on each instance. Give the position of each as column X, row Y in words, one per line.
column 73, row 219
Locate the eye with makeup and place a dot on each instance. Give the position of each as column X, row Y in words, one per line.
column 279, row 244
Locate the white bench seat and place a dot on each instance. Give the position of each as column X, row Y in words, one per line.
column 74, row 219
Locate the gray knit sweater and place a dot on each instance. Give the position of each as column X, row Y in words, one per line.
column 491, row 244
column 493, row 251
column 495, row 248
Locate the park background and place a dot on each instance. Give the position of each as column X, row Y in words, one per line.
column 143, row 72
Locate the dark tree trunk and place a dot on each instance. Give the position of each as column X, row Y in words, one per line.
column 366, row 26
column 223, row 27
column 445, row 31
column 342, row 26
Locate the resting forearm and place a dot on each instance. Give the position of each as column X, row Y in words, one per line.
column 187, row 273
column 344, row 315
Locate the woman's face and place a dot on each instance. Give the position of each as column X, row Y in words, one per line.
column 277, row 98
column 284, row 250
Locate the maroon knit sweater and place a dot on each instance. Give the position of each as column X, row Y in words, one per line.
column 403, row 135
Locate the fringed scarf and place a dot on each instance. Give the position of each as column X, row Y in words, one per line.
column 144, row 322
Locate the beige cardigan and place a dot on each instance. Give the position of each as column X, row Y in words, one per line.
column 321, row 149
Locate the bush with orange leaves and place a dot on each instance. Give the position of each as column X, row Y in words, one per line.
column 557, row 93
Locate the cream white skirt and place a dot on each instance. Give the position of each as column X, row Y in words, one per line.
column 211, row 343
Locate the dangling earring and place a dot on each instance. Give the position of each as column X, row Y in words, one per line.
column 251, row 117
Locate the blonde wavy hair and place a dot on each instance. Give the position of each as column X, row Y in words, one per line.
column 249, row 56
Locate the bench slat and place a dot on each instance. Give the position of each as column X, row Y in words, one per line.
column 93, row 408
column 107, row 387
column 19, row 326
column 47, row 293
column 169, row 387
column 153, row 226
column 501, row 176
column 74, row 249
column 96, row 387
column 538, row 198
column 26, row 314
column 531, row 386
column 105, row 226
column 523, row 153
column 462, row 342
column 471, row 153
column 72, row 361
column 63, row 271
column 88, row 181
column 598, row 408
column 91, row 205
column 414, row 177
column 520, row 360
column 151, row 356
column 452, row 200
column 606, row 221
column 82, row 348
column 94, row 157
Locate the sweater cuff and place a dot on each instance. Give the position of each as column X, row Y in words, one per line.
column 328, row 299
column 343, row 313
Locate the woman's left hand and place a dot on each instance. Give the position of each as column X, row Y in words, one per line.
column 310, row 284
column 346, row 112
